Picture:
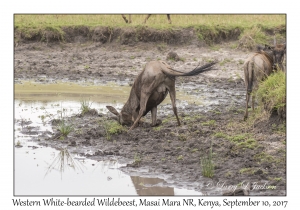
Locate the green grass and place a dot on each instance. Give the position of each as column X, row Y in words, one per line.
column 215, row 47
column 156, row 21
column 264, row 157
column 85, row 106
column 191, row 118
column 249, row 143
column 252, row 36
column 64, row 128
column 137, row 159
column 226, row 60
column 220, row 135
column 239, row 137
column 207, row 164
column 241, row 140
column 194, row 150
column 180, row 157
column 277, row 179
column 209, row 123
column 208, row 28
column 272, row 92
column 158, row 128
column 111, row 127
column 18, row 143
column 247, row 171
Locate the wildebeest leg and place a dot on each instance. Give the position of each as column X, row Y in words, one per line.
column 124, row 17
column 173, row 100
column 253, row 100
column 247, row 101
column 169, row 19
column 143, row 103
column 129, row 17
column 168, row 16
column 153, row 115
column 146, row 18
column 248, row 70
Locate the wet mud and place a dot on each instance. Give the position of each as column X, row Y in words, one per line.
column 248, row 157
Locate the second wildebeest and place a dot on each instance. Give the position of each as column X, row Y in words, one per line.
column 260, row 65
column 149, row 89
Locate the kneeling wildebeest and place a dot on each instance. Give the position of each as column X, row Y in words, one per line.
column 149, row 89
column 260, row 65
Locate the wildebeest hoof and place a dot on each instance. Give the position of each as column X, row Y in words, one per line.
column 158, row 122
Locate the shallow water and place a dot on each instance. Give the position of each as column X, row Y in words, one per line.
column 40, row 170
column 109, row 93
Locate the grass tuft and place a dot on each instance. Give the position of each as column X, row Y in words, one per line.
column 64, row 128
column 272, row 93
column 85, row 106
column 253, row 36
column 111, row 127
column 207, row 164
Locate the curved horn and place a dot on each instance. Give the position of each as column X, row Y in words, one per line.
column 115, row 112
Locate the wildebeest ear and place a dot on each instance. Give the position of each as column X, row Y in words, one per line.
column 268, row 47
column 112, row 110
column 259, row 47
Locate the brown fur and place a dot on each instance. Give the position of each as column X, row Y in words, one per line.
column 150, row 88
column 278, row 55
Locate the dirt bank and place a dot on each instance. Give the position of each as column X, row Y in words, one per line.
column 242, row 153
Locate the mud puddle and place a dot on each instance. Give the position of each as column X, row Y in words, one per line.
column 41, row 170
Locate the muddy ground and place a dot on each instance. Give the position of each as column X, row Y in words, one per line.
column 243, row 153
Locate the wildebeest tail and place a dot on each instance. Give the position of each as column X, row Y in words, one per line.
column 174, row 73
column 200, row 69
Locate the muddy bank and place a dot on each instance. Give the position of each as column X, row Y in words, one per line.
column 199, row 34
column 241, row 153
column 128, row 35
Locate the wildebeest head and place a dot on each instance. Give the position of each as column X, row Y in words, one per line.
column 123, row 118
column 277, row 53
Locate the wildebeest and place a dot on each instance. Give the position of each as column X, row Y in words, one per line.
column 260, row 65
column 147, row 17
column 149, row 89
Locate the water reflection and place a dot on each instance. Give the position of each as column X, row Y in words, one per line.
column 64, row 160
column 149, row 186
